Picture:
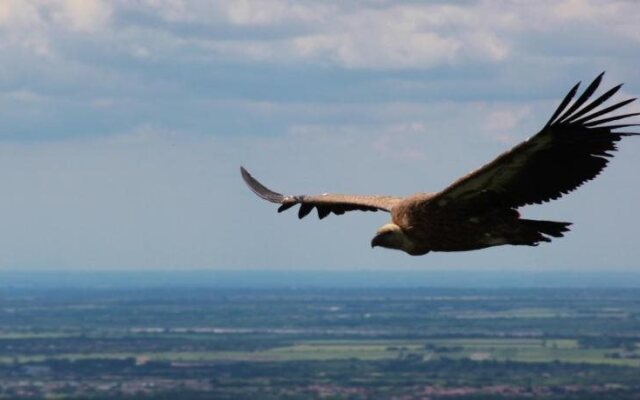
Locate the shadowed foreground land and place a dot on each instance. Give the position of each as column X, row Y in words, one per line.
column 320, row 343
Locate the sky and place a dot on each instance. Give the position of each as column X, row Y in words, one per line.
column 123, row 124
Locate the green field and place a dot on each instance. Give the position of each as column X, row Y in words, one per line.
column 320, row 343
column 498, row 349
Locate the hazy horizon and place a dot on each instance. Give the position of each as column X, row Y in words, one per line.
column 291, row 279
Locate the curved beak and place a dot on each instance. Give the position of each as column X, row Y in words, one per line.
column 376, row 241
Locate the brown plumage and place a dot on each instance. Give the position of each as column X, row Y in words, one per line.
column 480, row 209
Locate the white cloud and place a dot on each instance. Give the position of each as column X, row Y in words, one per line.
column 85, row 15
column 362, row 35
column 500, row 124
column 392, row 37
column 379, row 50
column 586, row 10
column 398, row 36
column 23, row 27
column 171, row 10
column 19, row 13
column 33, row 26
column 271, row 12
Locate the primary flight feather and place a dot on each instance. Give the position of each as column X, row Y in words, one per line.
column 480, row 209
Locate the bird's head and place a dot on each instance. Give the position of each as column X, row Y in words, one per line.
column 391, row 236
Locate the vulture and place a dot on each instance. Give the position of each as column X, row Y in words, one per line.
column 480, row 209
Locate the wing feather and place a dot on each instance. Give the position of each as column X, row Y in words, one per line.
column 325, row 203
column 564, row 103
column 569, row 151
column 594, row 104
column 582, row 99
column 610, row 119
column 604, row 111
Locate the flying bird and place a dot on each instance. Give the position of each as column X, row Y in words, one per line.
column 479, row 209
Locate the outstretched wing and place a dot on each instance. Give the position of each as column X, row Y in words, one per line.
column 571, row 149
column 324, row 203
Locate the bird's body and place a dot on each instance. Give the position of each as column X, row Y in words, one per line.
column 441, row 229
column 460, row 229
column 479, row 210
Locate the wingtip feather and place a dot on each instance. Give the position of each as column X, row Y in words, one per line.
column 594, row 104
column 564, row 103
column 259, row 189
column 584, row 97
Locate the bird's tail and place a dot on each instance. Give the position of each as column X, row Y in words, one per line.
column 533, row 232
